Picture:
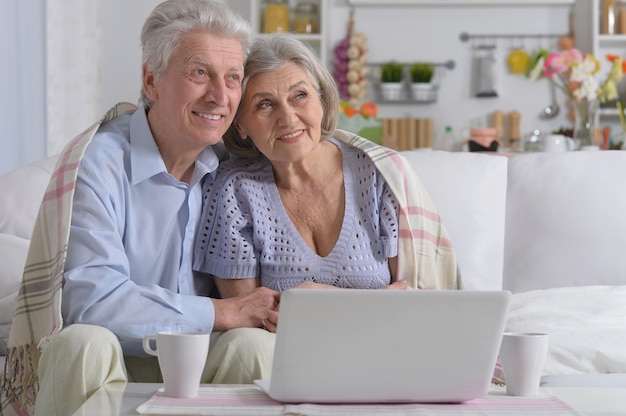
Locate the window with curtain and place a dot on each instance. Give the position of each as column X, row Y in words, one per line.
column 22, row 83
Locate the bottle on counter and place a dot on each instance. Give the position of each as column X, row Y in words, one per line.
column 447, row 141
column 514, row 130
column 497, row 122
column 532, row 143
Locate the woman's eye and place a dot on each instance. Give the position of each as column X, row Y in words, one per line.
column 263, row 105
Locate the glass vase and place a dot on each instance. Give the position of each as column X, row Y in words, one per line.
column 585, row 111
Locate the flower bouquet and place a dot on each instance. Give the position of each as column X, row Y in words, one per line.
column 574, row 73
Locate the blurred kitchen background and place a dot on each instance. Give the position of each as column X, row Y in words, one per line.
column 65, row 62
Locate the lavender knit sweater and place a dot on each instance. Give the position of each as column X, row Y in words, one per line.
column 246, row 232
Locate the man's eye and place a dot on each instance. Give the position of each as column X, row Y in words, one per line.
column 200, row 72
column 263, row 105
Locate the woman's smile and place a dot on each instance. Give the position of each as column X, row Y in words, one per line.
column 291, row 137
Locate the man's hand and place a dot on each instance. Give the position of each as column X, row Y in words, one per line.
column 257, row 308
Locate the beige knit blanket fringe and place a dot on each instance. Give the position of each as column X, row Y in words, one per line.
column 37, row 315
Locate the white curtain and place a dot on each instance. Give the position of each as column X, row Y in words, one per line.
column 22, row 82
column 74, row 45
column 50, row 84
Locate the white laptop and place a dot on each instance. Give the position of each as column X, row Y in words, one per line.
column 380, row 346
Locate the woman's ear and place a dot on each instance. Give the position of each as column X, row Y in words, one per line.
column 148, row 79
column 240, row 129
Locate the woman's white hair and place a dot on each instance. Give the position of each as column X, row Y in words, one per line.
column 268, row 53
column 172, row 19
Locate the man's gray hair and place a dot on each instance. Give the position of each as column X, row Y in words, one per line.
column 172, row 19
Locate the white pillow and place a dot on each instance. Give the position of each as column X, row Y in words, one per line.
column 469, row 190
column 586, row 325
column 13, row 251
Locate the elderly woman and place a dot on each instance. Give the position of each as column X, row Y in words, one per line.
column 299, row 205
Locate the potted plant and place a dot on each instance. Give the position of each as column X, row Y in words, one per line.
column 421, row 77
column 392, row 77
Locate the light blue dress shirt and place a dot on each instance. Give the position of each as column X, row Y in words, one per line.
column 128, row 264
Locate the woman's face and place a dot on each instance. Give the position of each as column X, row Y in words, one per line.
column 281, row 113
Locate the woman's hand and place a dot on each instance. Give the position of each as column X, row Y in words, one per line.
column 398, row 285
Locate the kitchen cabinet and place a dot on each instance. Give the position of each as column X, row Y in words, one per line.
column 590, row 39
column 457, row 2
column 253, row 11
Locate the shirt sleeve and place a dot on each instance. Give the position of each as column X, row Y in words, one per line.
column 103, row 283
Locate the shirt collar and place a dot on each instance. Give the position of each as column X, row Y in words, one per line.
column 146, row 160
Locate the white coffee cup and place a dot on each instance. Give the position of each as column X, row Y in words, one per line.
column 182, row 356
column 557, row 143
column 523, row 356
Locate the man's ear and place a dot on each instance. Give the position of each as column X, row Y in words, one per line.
column 148, row 79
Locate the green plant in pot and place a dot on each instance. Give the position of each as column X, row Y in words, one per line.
column 421, row 72
column 421, row 76
column 392, row 77
column 392, row 72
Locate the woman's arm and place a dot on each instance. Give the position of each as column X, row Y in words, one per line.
column 393, row 268
column 230, row 288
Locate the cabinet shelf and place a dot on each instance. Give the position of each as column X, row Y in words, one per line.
column 252, row 10
column 494, row 3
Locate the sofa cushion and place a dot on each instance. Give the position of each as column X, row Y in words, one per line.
column 22, row 190
column 469, row 190
column 586, row 327
column 565, row 220
column 12, row 258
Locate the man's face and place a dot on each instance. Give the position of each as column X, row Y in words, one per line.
column 195, row 100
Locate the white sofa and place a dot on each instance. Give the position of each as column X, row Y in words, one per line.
column 551, row 228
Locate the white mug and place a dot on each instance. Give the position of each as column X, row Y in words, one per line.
column 557, row 143
column 182, row 356
column 523, row 356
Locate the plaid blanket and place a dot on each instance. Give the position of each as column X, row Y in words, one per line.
column 37, row 314
column 426, row 257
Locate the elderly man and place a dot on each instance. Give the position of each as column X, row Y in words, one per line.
column 134, row 215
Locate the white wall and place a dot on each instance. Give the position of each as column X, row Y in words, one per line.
column 121, row 50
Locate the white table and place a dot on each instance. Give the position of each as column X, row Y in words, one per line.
column 123, row 398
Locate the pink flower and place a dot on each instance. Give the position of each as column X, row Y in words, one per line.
column 559, row 62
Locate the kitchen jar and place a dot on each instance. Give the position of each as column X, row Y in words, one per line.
column 276, row 18
column 483, row 140
column 306, row 18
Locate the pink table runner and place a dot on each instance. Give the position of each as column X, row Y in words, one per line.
column 250, row 400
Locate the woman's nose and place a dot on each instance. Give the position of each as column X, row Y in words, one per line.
column 287, row 115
